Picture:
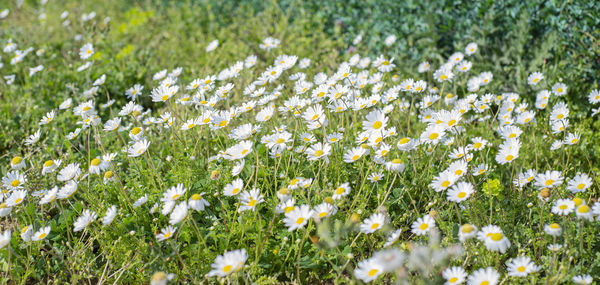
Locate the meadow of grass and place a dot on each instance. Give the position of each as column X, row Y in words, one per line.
column 173, row 143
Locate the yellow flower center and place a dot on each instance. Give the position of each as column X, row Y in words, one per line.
column 583, row 209
column 43, row 235
column 563, row 207
column 236, row 190
column 300, row 221
column 443, row 77
column 445, row 184
column 48, row 163
column 339, row 191
column 355, row 157
column 555, row 226
column 453, row 279
column 509, row 157
column 497, row 236
column 244, row 151
column 458, row 172
column 372, row 272
column 16, row 160
column 462, row 195
column 549, row 182
column 252, row 203
column 377, row 125
column 423, row 226
column 396, row 161
column 15, row 183
column 319, row 153
column 322, row 214
column 521, row 268
column 109, row 174
column 227, row 268
column 374, row 226
column 196, row 197
column 404, row 141
column 433, row 136
column 467, row 228
column 95, row 162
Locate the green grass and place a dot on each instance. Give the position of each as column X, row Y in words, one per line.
column 143, row 38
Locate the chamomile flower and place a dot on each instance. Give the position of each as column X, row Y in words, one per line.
column 86, row 218
column 5, row 238
column 34, row 138
column 17, row 162
column 110, row 215
column 27, row 233
column 138, row 148
column 460, row 192
column 583, row 279
column 423, row 225
column 233, row 188
column 48, row 118
column 594, row 96
column 375, row 177
column 466, row 232
column 549, row 179
column 521, row 266
column 318, row 151
column 228, row 263
column 487, row 276
column 250, row 199
column 579, row 183
column 494, row 238
column 368, row 270
column 583, row 211
column 86, row 51
column 16, row 198
column 341, row 191
column 354, row 154
column 197, row 202
column 298, row 217
column 373, row 223
column 166, row 233
column 179, row 213
column 454, row 275
column 553, row 229
column 324, row 210
column 41, row 234
column 50, row 196
column 392, row 238
column 535, row 78
column 470, row 49
column 14, row 180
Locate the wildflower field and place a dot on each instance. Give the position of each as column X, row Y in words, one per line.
column 299, row 142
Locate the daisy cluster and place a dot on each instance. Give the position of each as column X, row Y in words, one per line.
column 280, row 140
